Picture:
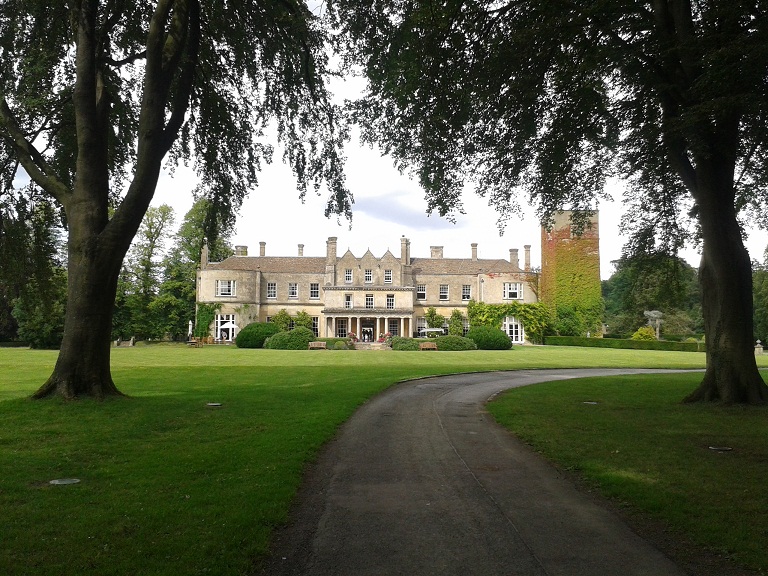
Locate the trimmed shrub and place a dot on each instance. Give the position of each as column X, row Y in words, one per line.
column 624, row 343
column 644, row 333
column 404, row 344
column 340, row 345
column 296, row 339
column 455, row 343
column 489, row 338
column 254, row 335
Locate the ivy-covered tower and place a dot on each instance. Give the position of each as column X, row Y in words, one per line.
column 570, row 275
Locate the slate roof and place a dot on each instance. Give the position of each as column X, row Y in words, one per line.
column 440, row 266
column 316, row 265
column 288, row 264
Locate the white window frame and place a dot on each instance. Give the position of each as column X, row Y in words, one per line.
column 444, row 292
column 348, row 301
column 226, row 288
column 393, row 326
column 271, row 290
column 293, row 290
column 368, row 276
column 388, row 276
column 513, row 291
column 514, row 329
column 314, row 291
column 316, row 325
column 348, row 276
column 421, row 289
column 369, row 302
column 341, row 328
column 390, row 301
column 466, row 292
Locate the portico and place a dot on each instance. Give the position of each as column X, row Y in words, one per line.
column 367, row 326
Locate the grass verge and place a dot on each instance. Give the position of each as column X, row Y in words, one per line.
column 169, row 485
column 630, row 437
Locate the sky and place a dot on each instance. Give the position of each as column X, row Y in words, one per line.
column 389, row 205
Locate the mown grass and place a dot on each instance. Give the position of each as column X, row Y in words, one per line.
column 631, row 437
column 170, row 486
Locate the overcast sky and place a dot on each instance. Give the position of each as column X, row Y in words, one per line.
column 389, row 205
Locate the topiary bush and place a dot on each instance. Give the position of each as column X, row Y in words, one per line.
column 254, row 335
column 297, row 339
column 340, row 345
column 455, row 343
column 404, row 344
column 489, row 338
column 644, row 333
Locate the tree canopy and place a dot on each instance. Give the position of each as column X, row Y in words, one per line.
column 96, row 94
column 546, row 100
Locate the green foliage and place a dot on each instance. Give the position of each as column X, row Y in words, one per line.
column 282, row 320
column 644, row 333
column 39, row 310
column 30, row 240
column 296, row 339
column 206, row 314
column 330, row 343
column 657, row 282
column 340, row 345
column 302, row 319
column 456, row 323
column 536, row 318
column 570, row 321
column 691, row 345
column 456, row 343
column 489, row 338
column 760, row 301
column 434, row 320
column 254, row 334
column 402, row 343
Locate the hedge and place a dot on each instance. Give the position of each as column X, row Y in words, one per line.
column 623, row 343
column 488, row 338
column 296, row 339
column 254, row 335
column 406, row 344
column 455, row 343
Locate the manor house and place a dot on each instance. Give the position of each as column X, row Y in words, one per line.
column 366, row 295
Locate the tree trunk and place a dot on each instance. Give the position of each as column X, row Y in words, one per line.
column 83, row 365
column 725, row 276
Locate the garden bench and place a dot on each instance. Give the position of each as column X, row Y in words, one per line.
column 428, row 346
column 317, row 345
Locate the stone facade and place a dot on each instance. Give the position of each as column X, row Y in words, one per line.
column 368, row 295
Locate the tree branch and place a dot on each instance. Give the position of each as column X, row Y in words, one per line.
column 30, row 158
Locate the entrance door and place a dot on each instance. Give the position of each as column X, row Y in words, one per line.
column 368, row 329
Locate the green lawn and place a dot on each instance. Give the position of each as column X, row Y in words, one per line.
column 172, row 486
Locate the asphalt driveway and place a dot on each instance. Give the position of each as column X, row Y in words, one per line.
column 421, row 481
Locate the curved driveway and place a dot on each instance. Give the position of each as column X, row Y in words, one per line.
column 421, row 481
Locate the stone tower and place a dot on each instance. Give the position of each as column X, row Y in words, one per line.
column 570, row 269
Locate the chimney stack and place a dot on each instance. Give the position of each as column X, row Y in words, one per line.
column 241, row 250
column 301, row 249
column 436, row 251
column 405, row 251
column 527, row 257
column 330, row 246
column 514, row 257
column 474, row 250
column 262, row 248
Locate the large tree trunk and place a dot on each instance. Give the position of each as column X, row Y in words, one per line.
column 83, row 365
column 726, row 288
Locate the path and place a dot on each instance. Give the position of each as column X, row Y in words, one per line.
column 421, row 481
